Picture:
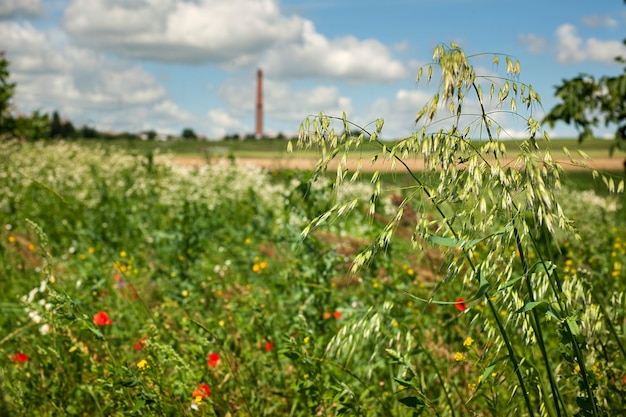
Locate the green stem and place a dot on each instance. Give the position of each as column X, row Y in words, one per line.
column 512, row 356
column 600, row 304
column 436, row 205
column 441, row 380
column 557, row 288
column 556, row 395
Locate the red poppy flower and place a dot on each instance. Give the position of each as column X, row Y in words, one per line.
column 268, row 345
column 139, row 345
column 102, row 319
column 460, row 304
column 203, row 391
column 20, row 357
column 337, row 315
column 327, row 315
column 214, row 359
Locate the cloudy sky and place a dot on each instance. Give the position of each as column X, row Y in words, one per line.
column 131, row 65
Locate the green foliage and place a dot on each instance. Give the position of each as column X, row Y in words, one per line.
column 7, row 90
column 188, row 134
column 61, row 129
column 33, row 127
column 499, row 227
column 587, row 102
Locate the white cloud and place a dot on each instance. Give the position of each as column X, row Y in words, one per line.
column 10, row 9
column 52, row 75
column 237, row 33
column 175, row 30
column 533, row 43
column 398, row 112
column 283, row 104
column 221, row 123
column 572, row 48
column 171, row 111
column 346, row 58
column 600, row 20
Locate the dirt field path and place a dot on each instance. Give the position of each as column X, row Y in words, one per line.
column 295, row 162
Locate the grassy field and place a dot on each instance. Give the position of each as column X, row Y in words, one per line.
column 130, row 285
column 274, row 148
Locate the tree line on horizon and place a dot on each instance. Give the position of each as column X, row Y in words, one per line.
column 586, row 102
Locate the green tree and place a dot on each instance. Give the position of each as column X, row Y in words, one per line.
column 6, row 93
column 188, row 133
column 31, row 127
column 587, row 102
column 88, row 132
column 68, row 131
column 151, row 135
column 56, row 126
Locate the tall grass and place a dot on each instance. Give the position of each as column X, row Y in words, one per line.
column 544, row 334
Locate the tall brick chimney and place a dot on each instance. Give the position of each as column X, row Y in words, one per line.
column 259, row 104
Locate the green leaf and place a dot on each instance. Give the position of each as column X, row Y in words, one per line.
column 292, row 355
column 464, row 243
column 573, row 326
column 138, row 406
column 554, row 313
column 488, row 372
column 404, row 382
column 541, row 305
column 452, row 242
column 412, row 402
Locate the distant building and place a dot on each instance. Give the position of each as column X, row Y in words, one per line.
column 259, row 104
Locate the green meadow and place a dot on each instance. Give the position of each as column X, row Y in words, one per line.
column 135, row 286
column 477, row 277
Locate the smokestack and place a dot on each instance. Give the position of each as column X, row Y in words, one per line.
column 259, row 104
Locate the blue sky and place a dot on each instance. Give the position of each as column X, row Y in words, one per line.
column 132, row 65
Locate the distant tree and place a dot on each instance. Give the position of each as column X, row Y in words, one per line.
column 56, row 126
column 61, row 129
column 281, row 136
column 128, row 136
column 88, row 132
column 587, row 102
column 6, row 93
column 31, row 127
column 151, row 134
column 68, row 131
column 233, row 137
column 250, row 136
column 188, row 134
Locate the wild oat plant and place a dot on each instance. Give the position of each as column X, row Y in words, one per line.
column 132, row 286
column 542, row 336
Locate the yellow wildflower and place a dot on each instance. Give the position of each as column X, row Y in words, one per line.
column 468, row 342
column 142, row 365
